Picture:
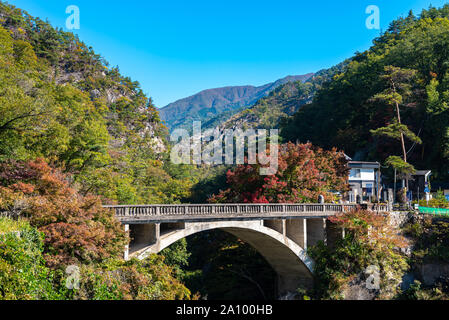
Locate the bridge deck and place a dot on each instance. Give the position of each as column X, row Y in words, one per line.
column 135, row 214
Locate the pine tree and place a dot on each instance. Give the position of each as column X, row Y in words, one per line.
column 398, row 90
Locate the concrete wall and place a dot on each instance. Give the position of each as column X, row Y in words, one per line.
column 277, row 225
column 316, row 231
column 297, row 231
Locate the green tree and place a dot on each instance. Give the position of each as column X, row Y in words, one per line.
column 398, row 90
column 343, row 105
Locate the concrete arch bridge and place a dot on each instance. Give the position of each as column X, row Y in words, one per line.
column 281, row 233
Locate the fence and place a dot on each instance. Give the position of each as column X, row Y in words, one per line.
column 434, row 211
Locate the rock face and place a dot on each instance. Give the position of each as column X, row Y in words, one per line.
column 70, row 62
column 357, row 290
column 399, row 218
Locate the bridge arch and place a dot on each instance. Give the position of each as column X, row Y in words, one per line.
column 279, row 232
column 290, row 262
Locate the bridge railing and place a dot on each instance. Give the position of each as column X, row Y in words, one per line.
column 235, row 209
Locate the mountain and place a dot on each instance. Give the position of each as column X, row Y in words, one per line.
column 213, row 102
column 281, row 103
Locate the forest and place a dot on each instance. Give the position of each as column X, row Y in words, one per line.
column 348, row 105
column 75, row 134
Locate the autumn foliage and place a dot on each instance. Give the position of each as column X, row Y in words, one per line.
column 77, row 229
column 370, row 242
column 304, row 173
column 370, row 227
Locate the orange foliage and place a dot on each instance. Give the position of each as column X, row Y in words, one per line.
column 372, row 227
column 76, row 227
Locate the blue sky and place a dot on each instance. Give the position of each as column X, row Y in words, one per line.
column 176, row 48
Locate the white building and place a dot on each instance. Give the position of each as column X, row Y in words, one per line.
column 364, row 180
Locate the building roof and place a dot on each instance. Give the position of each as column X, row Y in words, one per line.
column 364, row 165
column 422, row 172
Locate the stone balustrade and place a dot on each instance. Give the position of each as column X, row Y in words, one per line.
column 178, row 212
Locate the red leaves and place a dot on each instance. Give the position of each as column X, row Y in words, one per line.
column 76, row 227
column 304, row 173
column 24, row 188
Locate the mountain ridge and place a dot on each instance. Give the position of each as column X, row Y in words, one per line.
column 210, row 103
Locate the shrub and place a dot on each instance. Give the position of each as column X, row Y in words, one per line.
column 23, row 274
column 431, row 239
column 369, row 241
column 149, row 279
column 77, row 229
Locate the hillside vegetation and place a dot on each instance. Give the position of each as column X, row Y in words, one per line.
column 76, row 134
column 280, row 104
column 24, row 274
column 349, row 107
column 59, row 100
column 218, row 103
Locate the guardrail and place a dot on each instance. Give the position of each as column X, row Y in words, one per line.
column 231, row 210
column 434, row 211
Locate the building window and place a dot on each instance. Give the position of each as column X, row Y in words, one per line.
column 355, row 173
